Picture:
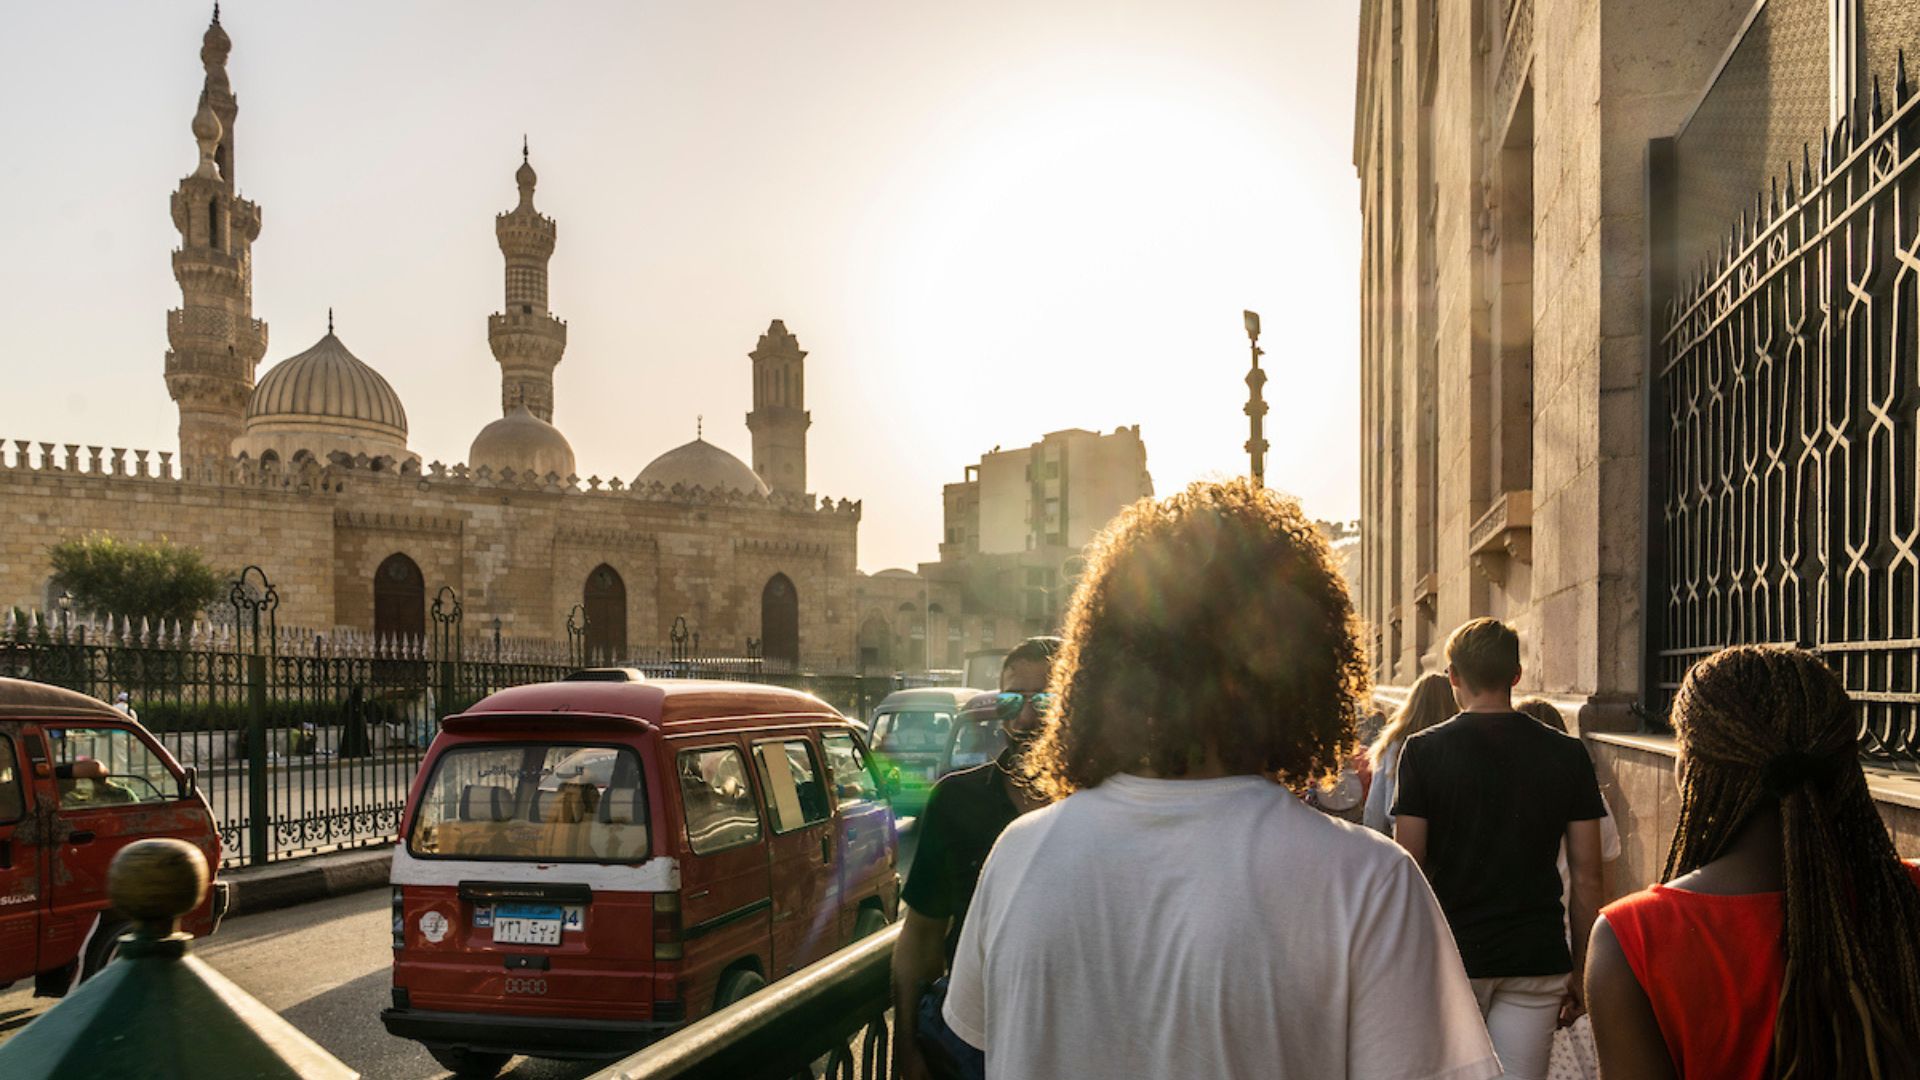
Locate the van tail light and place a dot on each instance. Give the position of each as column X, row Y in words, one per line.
column 399, row 919
column 668, row 944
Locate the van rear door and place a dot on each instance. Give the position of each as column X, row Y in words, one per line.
column 528, row 881
column 806, row 881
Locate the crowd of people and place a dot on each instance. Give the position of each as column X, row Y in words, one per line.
column 1133, row 887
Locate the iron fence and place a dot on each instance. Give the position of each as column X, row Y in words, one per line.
column 1785, row 417
column 305, row 742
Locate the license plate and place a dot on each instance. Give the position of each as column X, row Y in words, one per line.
column 527, row 924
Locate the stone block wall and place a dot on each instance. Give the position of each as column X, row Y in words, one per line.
column 519, row 551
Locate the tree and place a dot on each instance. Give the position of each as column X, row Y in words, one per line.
column 160, row 582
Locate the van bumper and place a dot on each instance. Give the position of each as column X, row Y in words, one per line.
column 539, row 1036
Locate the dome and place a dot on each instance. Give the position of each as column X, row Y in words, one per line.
column 327, row 385
column 702, row 464
column 524, row 443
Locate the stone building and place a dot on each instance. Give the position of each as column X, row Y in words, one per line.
column 306, row 473
column 1629, row 373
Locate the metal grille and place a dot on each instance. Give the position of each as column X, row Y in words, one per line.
column 1788, row 402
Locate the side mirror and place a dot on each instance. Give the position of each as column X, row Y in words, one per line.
column 189, row 782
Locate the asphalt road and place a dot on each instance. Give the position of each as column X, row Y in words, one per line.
column 325, row 968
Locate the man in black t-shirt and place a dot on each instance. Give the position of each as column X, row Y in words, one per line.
column 1483, row 804
column 965, row 814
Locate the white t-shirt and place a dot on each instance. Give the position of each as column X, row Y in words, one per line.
column 1209, row 928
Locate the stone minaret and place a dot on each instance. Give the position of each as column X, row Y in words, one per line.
column 215, row 342
column 526, row 338
column 779, row 419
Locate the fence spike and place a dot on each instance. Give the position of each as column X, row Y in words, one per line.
column 1899, row 77
column 144, row 632
column 7, row 628
column 1879, row 112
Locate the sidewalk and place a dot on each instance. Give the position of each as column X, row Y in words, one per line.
column 315, row 877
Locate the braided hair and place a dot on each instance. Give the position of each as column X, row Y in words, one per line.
column 1766, row 726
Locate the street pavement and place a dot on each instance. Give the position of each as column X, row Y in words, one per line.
column 326, row 968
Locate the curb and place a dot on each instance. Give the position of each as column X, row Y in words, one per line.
column 301, row 881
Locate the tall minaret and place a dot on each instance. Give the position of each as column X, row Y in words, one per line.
column 526, row 338
column 215, row 340
column 780, row 419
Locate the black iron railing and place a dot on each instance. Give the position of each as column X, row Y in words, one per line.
column 1785, row 418
column 828, row 1020
column 303, row 742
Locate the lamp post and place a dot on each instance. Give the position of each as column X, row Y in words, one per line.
column 496, row 639
column 66, row 614
column 1256, row 404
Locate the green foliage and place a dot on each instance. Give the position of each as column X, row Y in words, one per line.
column 160, row 582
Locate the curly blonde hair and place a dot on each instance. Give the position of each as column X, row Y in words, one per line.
column 1214, row 618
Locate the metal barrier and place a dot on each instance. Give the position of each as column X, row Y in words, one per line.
column 786, row 1029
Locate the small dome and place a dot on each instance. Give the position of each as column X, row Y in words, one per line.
column 327, row 386
column 702, row 464
column 524, row 443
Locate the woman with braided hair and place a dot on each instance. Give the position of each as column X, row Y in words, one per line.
column 1786, row 941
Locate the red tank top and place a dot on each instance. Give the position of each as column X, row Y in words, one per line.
column 1689, row 948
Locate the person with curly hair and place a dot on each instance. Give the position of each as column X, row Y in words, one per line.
column 1786, row 940
column 1179, row 911
column 1484, row 803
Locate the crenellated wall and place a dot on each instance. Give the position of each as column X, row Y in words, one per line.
column 516, row 548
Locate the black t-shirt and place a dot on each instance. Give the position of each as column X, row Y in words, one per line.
column 965, row 814
column 1497, row 791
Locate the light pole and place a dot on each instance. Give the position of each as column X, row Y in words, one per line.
column 66, row 615
column 1256, row 404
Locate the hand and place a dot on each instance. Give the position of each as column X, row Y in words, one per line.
column 907, row 1063
column 1574, row 1005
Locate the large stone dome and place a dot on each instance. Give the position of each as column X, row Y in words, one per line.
column 321, row 402
column 702, row 464
column 524, row 443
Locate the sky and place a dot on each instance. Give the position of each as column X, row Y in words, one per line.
column 984, row 221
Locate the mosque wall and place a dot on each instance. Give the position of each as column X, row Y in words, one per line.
column 520, row 552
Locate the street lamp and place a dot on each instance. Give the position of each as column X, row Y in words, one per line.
column 1256, row 405
column 66, row 614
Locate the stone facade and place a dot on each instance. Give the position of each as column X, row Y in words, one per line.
column 519, row 551
column 1501, row 148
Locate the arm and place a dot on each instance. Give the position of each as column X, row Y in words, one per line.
column 1583, row 905
column 1625, row 1031
column 919, row 957
column 1411, row 833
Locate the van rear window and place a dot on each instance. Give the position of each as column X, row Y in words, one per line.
column 537, row 802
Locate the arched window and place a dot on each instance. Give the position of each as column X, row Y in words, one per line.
column 269, row 459
column 876, row 644
column 399, row 600
column 606, row 604
column 780, row 621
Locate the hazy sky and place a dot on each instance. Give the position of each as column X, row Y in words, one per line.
column 984, row 220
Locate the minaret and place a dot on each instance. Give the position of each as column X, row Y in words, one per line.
column 526, row 338
column 215, row 341
column 779, row 419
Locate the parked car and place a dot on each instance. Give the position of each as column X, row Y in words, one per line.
column 78, row 782
column 911, row 729
column 587, row 865
column 978, row 735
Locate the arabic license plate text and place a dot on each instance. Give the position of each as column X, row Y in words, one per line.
column 527, row 924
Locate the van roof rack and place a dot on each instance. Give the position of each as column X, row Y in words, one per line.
column 607, row 674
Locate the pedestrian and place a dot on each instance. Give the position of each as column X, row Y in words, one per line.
column 1180, row 912
column 123, row 704
column 1786, row 940
column 1430, row 702
column 965, row 814
column 1573, row 1056
column 1484, row 803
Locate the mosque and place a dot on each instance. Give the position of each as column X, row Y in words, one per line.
column 305, row 471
